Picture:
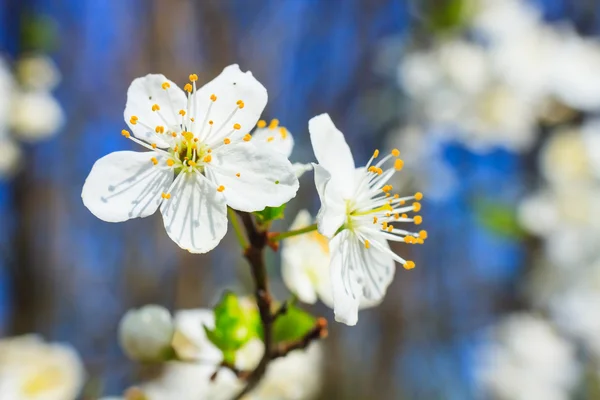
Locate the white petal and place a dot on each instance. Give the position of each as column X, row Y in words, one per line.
column 300, row 168
column 347, row 292
column 195, row 216
column 266, row 179
column 378, row 270
column 333, row 153
column 124, row 185
column 142, row 94
column 278, row 139
column 231, row 86
column 332, row 213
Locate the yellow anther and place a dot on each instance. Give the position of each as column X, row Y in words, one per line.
column 270, row 138
column 208, row 158
column 191, row 163
column 211, row 122
column 209, row 151
column 153, row 145
column 189, row 136
column 188, row 87
column 387, row 195
column 195, row 139
column 170, row 162
column 247, row 137
column 396, row 216
column 237, row 126
column 159, row 129
column 402, row 202
column 423, row 234
column 418, row 220
column 261, row 124
column 166, row 85
column 193, row 146
column 384, row 225
column 238, row 174
column 390, row 228
column 396, row 196
column 273, row 124
column 226, row 140
column 193, row 77
column 220, row 188
column 404, row 215
column 387, row 188
column 182, row 113
column 416, row 207
column 376, row 153
column 240, row 104
column 165, row 195
column 388, row 214
column 379, row 171
column 374, row 220
column 283, row 132
column 133, row 120
column 409, row 265
column 213, row 97
column 174, row 134
column 155, row 107
column 408, row 239
column 420, row 241
column 396, row 153
column 126, row 133
column 192, row 119
column 367, row 244
column 154, row 160
column 398, row 164
column 419, row 196
column 372, row 169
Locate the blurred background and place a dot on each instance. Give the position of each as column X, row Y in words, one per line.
column 492, row 103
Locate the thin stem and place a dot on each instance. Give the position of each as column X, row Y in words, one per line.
column 296, row 232
column 237, row 228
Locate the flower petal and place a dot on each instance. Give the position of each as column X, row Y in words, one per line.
column 301, row 168
column 345, row 274
column 142, row 95
column 333, row 153
column 378, row 270
column 332, row 213
column 126, row 184
column 195, row 216
column 277, row 139
column 252, row 178
column 224, row 108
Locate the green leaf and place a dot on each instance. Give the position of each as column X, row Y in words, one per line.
column 39, row 33
column 270, row 214
column 236, row 323
column 292, row 325
column 499, row 218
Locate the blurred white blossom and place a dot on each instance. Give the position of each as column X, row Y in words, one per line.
column 31, row 369
column 10, row 156
column 37, row 72
column 36, row 115
column 523, row 359
column 146, row 333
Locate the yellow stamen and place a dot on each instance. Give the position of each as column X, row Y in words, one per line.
column 247, row 137
column 220, row 188
column 418, row 220
column 420, row 241
column 416, row 207
column 283, row 132
column 419, row 196
column 154, row 160
column 211, row 122
column 126, row 133
column 238, row 174
column 188, row 87
column 270, row 139
column 170, row 162
column 384, row 225
column 213, row 97
column 193, row 77
column 237, row 126
column 374, row 220
column 240, row 104
column 188, row 136
column 133, row 120
column 191, row 163
column 408, row 239
column 409, row 265
column 376, row 153
column 166, row 85
column 174, row 134
column 423, row 234
column 367, row 244
column 404, row 215
column 396, row 216
column 273, row 124
column 226, row 140
column 261, row 124
column 182, row 113
column 207, row 159
column 396, row 153
column 153, row 145
column 159, row 129
column 155, row 107
column 165, row 195
column 398, row 164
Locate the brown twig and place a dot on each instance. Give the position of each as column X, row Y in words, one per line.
column 258, row 239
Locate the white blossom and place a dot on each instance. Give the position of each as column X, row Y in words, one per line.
column 359, row 214
column 10, row 156
column 36, row 115
column 146, row 333
column 31, row 369
column 305, row 263
column 37, row 72
column 201, row 159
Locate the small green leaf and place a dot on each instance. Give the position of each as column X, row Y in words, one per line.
column 292, row 325
column 270, row 214
column 499, row 218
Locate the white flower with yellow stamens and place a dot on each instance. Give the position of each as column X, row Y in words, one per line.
column 277, row 138
column 201, row 159
column 359, row 213
column 305, row 263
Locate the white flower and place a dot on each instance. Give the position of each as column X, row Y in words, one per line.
column 305, row 263
column 146, row 333
column 37, row 72
column 10, row 155
column 31, row 369
column 36, row 115
column 294, row 377
column 201, row 159
column 358, row 213
column 526, row 359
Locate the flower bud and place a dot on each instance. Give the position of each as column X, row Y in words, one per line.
column 145, row 334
